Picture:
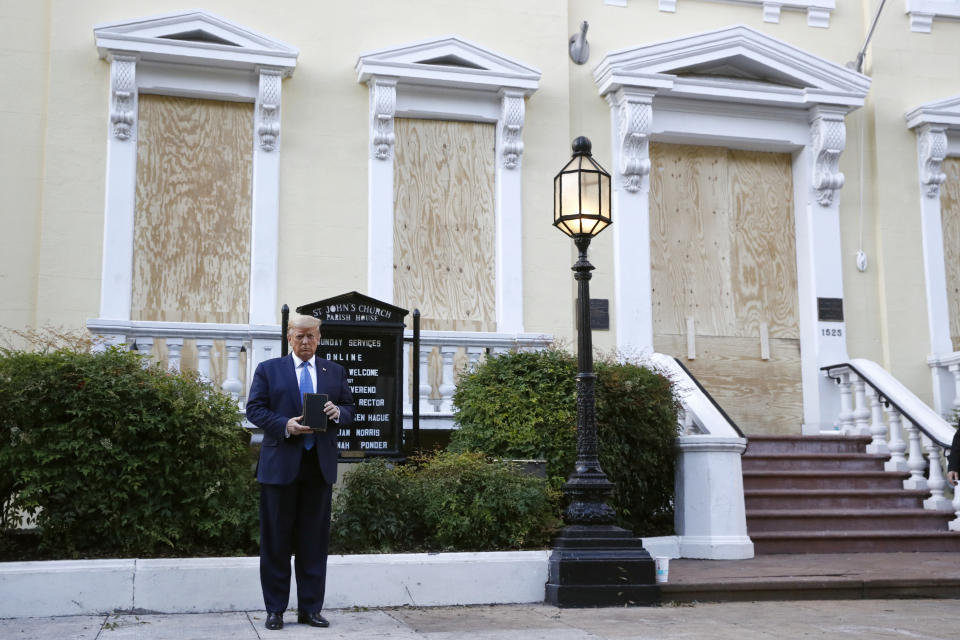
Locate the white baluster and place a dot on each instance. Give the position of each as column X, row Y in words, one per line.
column 861, row 413
column 473, row 357
column 174, row 347
column 406, row 382
column 915, row 463
column 896, row 444
column 232, row 384
column 877, row 429
column 204, row 345
column 936, row 481
column 499, row 351
column 845, row 418
column 145, row 348
column 446, row 380
column 954, row 525
column 955, row 370
column 425, row 388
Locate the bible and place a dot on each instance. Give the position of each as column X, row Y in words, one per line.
column 313, row 415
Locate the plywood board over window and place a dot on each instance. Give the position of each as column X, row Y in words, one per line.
column 191, row 256
column 444, row 223
column 724, row 263
column 950, row 214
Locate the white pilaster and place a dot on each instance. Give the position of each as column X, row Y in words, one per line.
column 509, row 212
column 265, row 199
column 116, row 282
column 631, row 117
column 383, row 104
column 817, row 181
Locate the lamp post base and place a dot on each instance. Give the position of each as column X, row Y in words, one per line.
column 600, row 566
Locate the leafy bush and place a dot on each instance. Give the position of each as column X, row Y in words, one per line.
column 523, row 405
column 445, row 502
column 114, row 458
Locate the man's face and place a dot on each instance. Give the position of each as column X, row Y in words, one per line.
column 303, row 342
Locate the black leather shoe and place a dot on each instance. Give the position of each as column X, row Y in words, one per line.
column 313, row 619
column 274, row 621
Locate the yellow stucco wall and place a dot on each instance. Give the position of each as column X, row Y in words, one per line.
column 54, row 107
column 24, row 36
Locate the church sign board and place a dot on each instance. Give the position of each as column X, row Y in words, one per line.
column 365, row 336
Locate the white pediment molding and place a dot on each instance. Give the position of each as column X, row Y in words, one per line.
column 194, row 37
column 448, row 62
column 736, row 63
column 945, row 113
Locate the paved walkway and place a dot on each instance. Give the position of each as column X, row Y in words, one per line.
column 843, row 619
column 818, row 596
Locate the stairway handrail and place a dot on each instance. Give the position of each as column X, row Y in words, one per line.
column 892, row 392
column 697, row 400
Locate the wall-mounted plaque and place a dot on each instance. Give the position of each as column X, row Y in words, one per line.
column 599, row 313
column 830, row 309
column 365, row 336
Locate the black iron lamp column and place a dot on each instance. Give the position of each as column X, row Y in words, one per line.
column 594, row 563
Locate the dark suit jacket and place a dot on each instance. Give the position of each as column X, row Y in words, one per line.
column 275, row 398
column 953, row 460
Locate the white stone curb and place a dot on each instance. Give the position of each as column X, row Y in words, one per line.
column 195, row 585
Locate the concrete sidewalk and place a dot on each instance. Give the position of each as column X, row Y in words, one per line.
column 846, row 619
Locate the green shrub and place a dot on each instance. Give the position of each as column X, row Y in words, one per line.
column 114, row 458
column 523, row 405
column 460, row 502
column 377, row 510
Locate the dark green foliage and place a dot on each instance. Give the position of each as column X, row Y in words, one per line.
column 520, row 405
column 523, row 405
column 117, row 459
column 459, row 502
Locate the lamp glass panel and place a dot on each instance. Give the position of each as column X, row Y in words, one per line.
column 569, row 194
column 589, row 193
column 604, row 198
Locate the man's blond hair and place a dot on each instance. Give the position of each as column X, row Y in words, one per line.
column 303, row 322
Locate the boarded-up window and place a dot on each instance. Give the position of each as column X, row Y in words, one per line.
column 444, row 223
column 191, row 257
column 724, row 264
column 191, row 254
column 950, row 212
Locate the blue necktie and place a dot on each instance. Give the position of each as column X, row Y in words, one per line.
column 306, row 386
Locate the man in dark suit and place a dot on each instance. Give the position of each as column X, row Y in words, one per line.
column 296, row 471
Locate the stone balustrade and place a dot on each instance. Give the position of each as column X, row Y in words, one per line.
column 901, row 426
column 227, row 355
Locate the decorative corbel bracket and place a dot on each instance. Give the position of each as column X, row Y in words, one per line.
column 510, row 128
column 123, row 94
column 383, row 106
column 828, row 139
column 268, row 108
column 635, row 111
column 933, row 150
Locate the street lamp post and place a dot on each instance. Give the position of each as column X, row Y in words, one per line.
column 594, row 562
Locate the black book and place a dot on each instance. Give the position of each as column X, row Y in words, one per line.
column 313, row 415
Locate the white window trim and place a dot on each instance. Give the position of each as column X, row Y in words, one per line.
column 937, row 127
column 923, row 12
column 650, row 102
column 818, row 11
column 143, row 59
column 488, row 88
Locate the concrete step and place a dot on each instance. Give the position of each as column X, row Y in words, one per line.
column 770, row 542
column 806, row 444
column 813, row 461
column 833, row 499
column 820, row 479
column 767, row 520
